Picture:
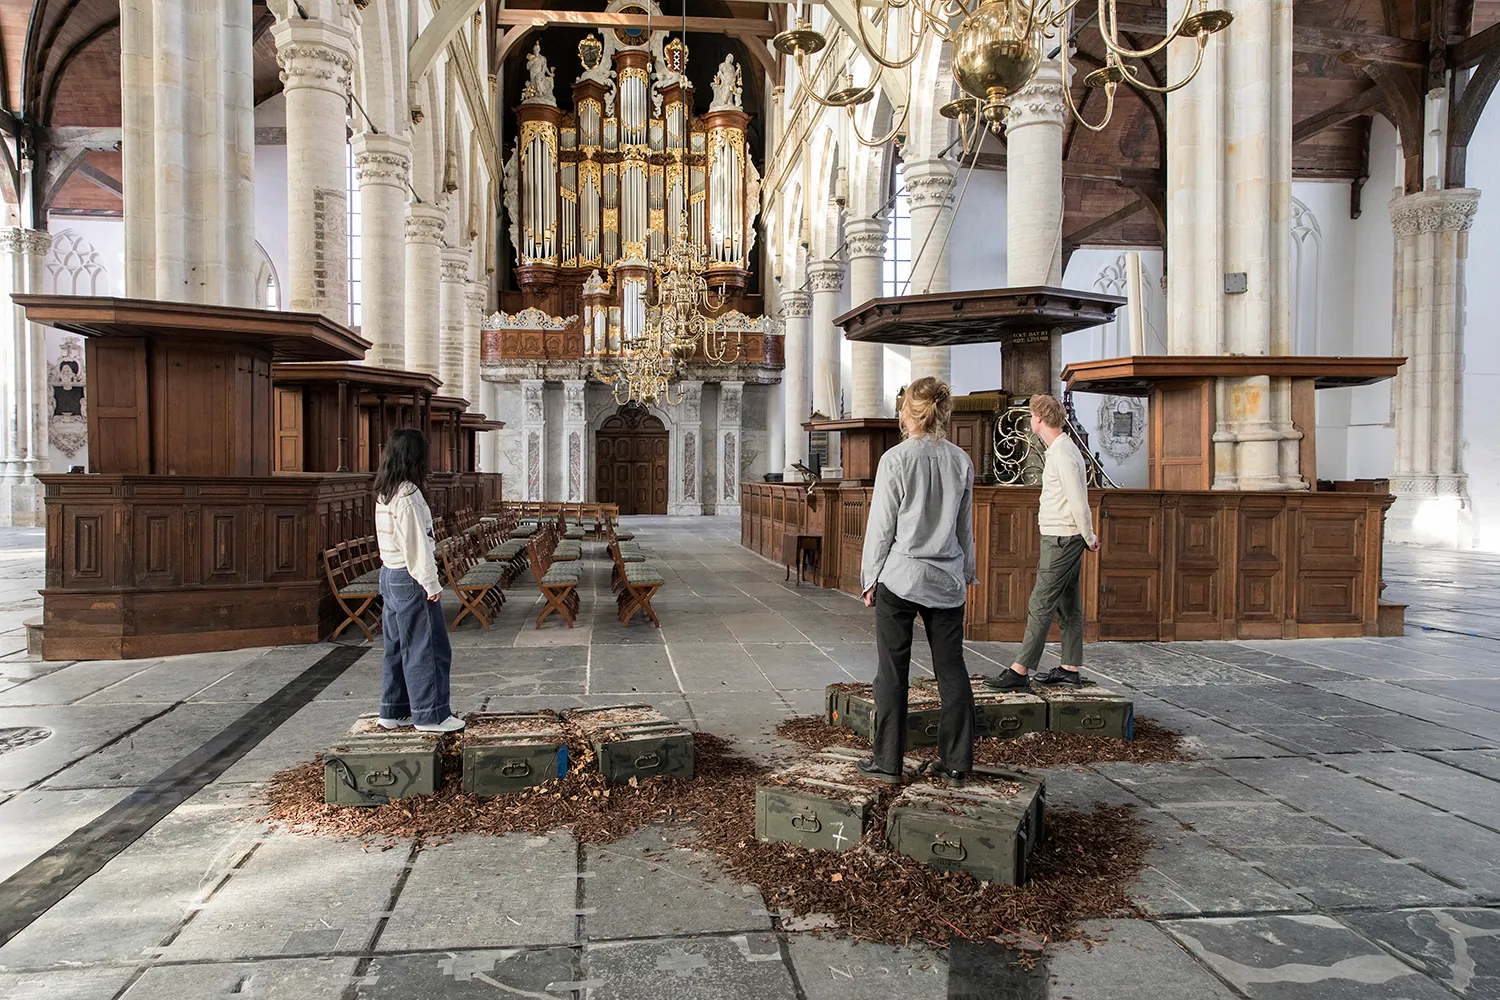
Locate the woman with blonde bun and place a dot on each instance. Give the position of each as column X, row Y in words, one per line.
column 919, row 560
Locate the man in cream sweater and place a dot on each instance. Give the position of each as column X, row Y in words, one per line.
column 1067, row 529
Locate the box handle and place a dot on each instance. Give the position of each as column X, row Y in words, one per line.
column 381, row 778
column 806, row 822
column 1009, row 722
column 932, row 729
column 1092, row 721
column 515, row 768
column 949, row 850
column 646, row 760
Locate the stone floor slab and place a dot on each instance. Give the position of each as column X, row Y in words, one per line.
column 477, row 892
column 283, row 979
column 1460, row 948
column 64, row 984
column 1129, row 960
column 458, row 974
column 151, row 749
column 838, row 969
column 1306, row 957
column 645, row 885
column 34, row 821
column 1187, row 875
column 736, row 967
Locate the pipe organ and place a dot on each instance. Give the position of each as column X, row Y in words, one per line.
column 607, row 186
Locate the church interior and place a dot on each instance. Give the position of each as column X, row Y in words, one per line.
column 652, row 280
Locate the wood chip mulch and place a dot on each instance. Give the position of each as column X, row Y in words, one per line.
column 1153, row 744
column 1082, row 869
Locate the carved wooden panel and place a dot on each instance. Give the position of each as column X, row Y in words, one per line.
column 1261, row 560
column 1330, row 553
column 1129, row 580
column 285, row 534
column 158, row 548
column 631, row 463
column 225, row 541
column 287, row 428
column 118, row 405
column 83, row 546
column 1180, row 449
column 1012, row 558
column 1197, row 586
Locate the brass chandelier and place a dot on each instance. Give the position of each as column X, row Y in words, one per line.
column 997, row 47
column 676, row 328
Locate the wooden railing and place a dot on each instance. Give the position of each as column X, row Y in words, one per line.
column 1171, row 565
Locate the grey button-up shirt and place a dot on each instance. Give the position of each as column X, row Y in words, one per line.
column 919, row 540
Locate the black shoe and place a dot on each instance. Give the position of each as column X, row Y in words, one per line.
column 951, row 778
column 1008, row 680
column 869, row 770
column 1057, row 675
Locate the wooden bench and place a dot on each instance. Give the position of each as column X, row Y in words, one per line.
column 474, row 580
column 557, row 580
column 353, row 571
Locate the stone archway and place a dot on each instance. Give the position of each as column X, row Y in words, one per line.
column 631, row 462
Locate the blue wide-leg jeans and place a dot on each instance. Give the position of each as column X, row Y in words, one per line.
column 417, row 655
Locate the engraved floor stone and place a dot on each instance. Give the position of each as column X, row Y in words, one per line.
column 458, row 974
column 740, row 967
column 1295, row 957
column 487, row 892
column 1460, row 948
column 264, row 980
column 838, row 969
column 77, row 731
column 141, row 755
column 65, row 984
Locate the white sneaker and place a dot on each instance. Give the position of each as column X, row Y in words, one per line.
column 451, row 724
column 394, row 723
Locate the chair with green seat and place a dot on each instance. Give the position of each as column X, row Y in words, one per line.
column 558, row 581
column 640, row 582
column 476, row 582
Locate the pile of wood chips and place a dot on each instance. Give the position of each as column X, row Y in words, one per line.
column 1082, row 869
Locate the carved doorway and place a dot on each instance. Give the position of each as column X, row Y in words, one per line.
column 630, row 462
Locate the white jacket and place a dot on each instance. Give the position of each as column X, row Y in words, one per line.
column 404, row 529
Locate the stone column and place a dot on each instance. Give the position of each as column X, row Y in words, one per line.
column 796, row 308
column 827, row 279
column 316, row 58
column 1432, row 247
column 533, row 441
column 424, row 262
column 23, row 381
column 382, row 165
column 864, row 242
column 929, row 192
column 1229, row 190
column 689, row 492
column 731, row 405
column 574, row 442
column 1034, row 197
column 473, row 316
column 452, row 302
column 188, row 149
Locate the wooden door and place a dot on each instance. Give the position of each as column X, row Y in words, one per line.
column 288, row 409
column 630, row 462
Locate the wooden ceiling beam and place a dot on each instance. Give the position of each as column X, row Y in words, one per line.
column 1468, row 52
column 584, row 19
column 1073, row 170
column 1363, row 103
column 1136, row 17
column 1079, row 236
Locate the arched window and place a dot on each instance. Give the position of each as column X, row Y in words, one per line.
column 1307, row 262
column 898, row 237
column 267, row 287
column 73, row 266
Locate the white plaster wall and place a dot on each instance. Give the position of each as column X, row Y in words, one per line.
column 1371, row 451
column 976, row 260
column 1328, row 273
column 271, row 212
column 1481, row 385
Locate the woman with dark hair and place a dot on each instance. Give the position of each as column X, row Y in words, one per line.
column 417, row 655
column 919, row 560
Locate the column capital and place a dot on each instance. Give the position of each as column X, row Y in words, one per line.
column 929, row 183
column 796, row 305
column 25, row 241
column 380, row 158
column 1041, row 102
column 475, row 296
column 425, row 224
column 1449, row 211
column 865, row 238
column 455, row 264
column 826, row 275
column 314, row 53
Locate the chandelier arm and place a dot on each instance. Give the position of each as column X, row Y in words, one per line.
column 1109, row 102
column 1109, row 32
column 1057, row 20
column 811, row 79
column 896, row 128
column 869, row 50
column 1140, row 84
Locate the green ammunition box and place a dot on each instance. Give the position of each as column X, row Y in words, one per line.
column 1032, row 783
column 923, row 709
column 833, row 704
column 371, row 766
column 635, row 741
column 821, row 802
column 505, row 752
column 1089, row 710
column 1001, row 714
column 983, row 828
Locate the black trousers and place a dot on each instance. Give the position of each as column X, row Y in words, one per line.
column 945, row 637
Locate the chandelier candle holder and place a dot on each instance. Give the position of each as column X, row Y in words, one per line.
column 997, row 47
